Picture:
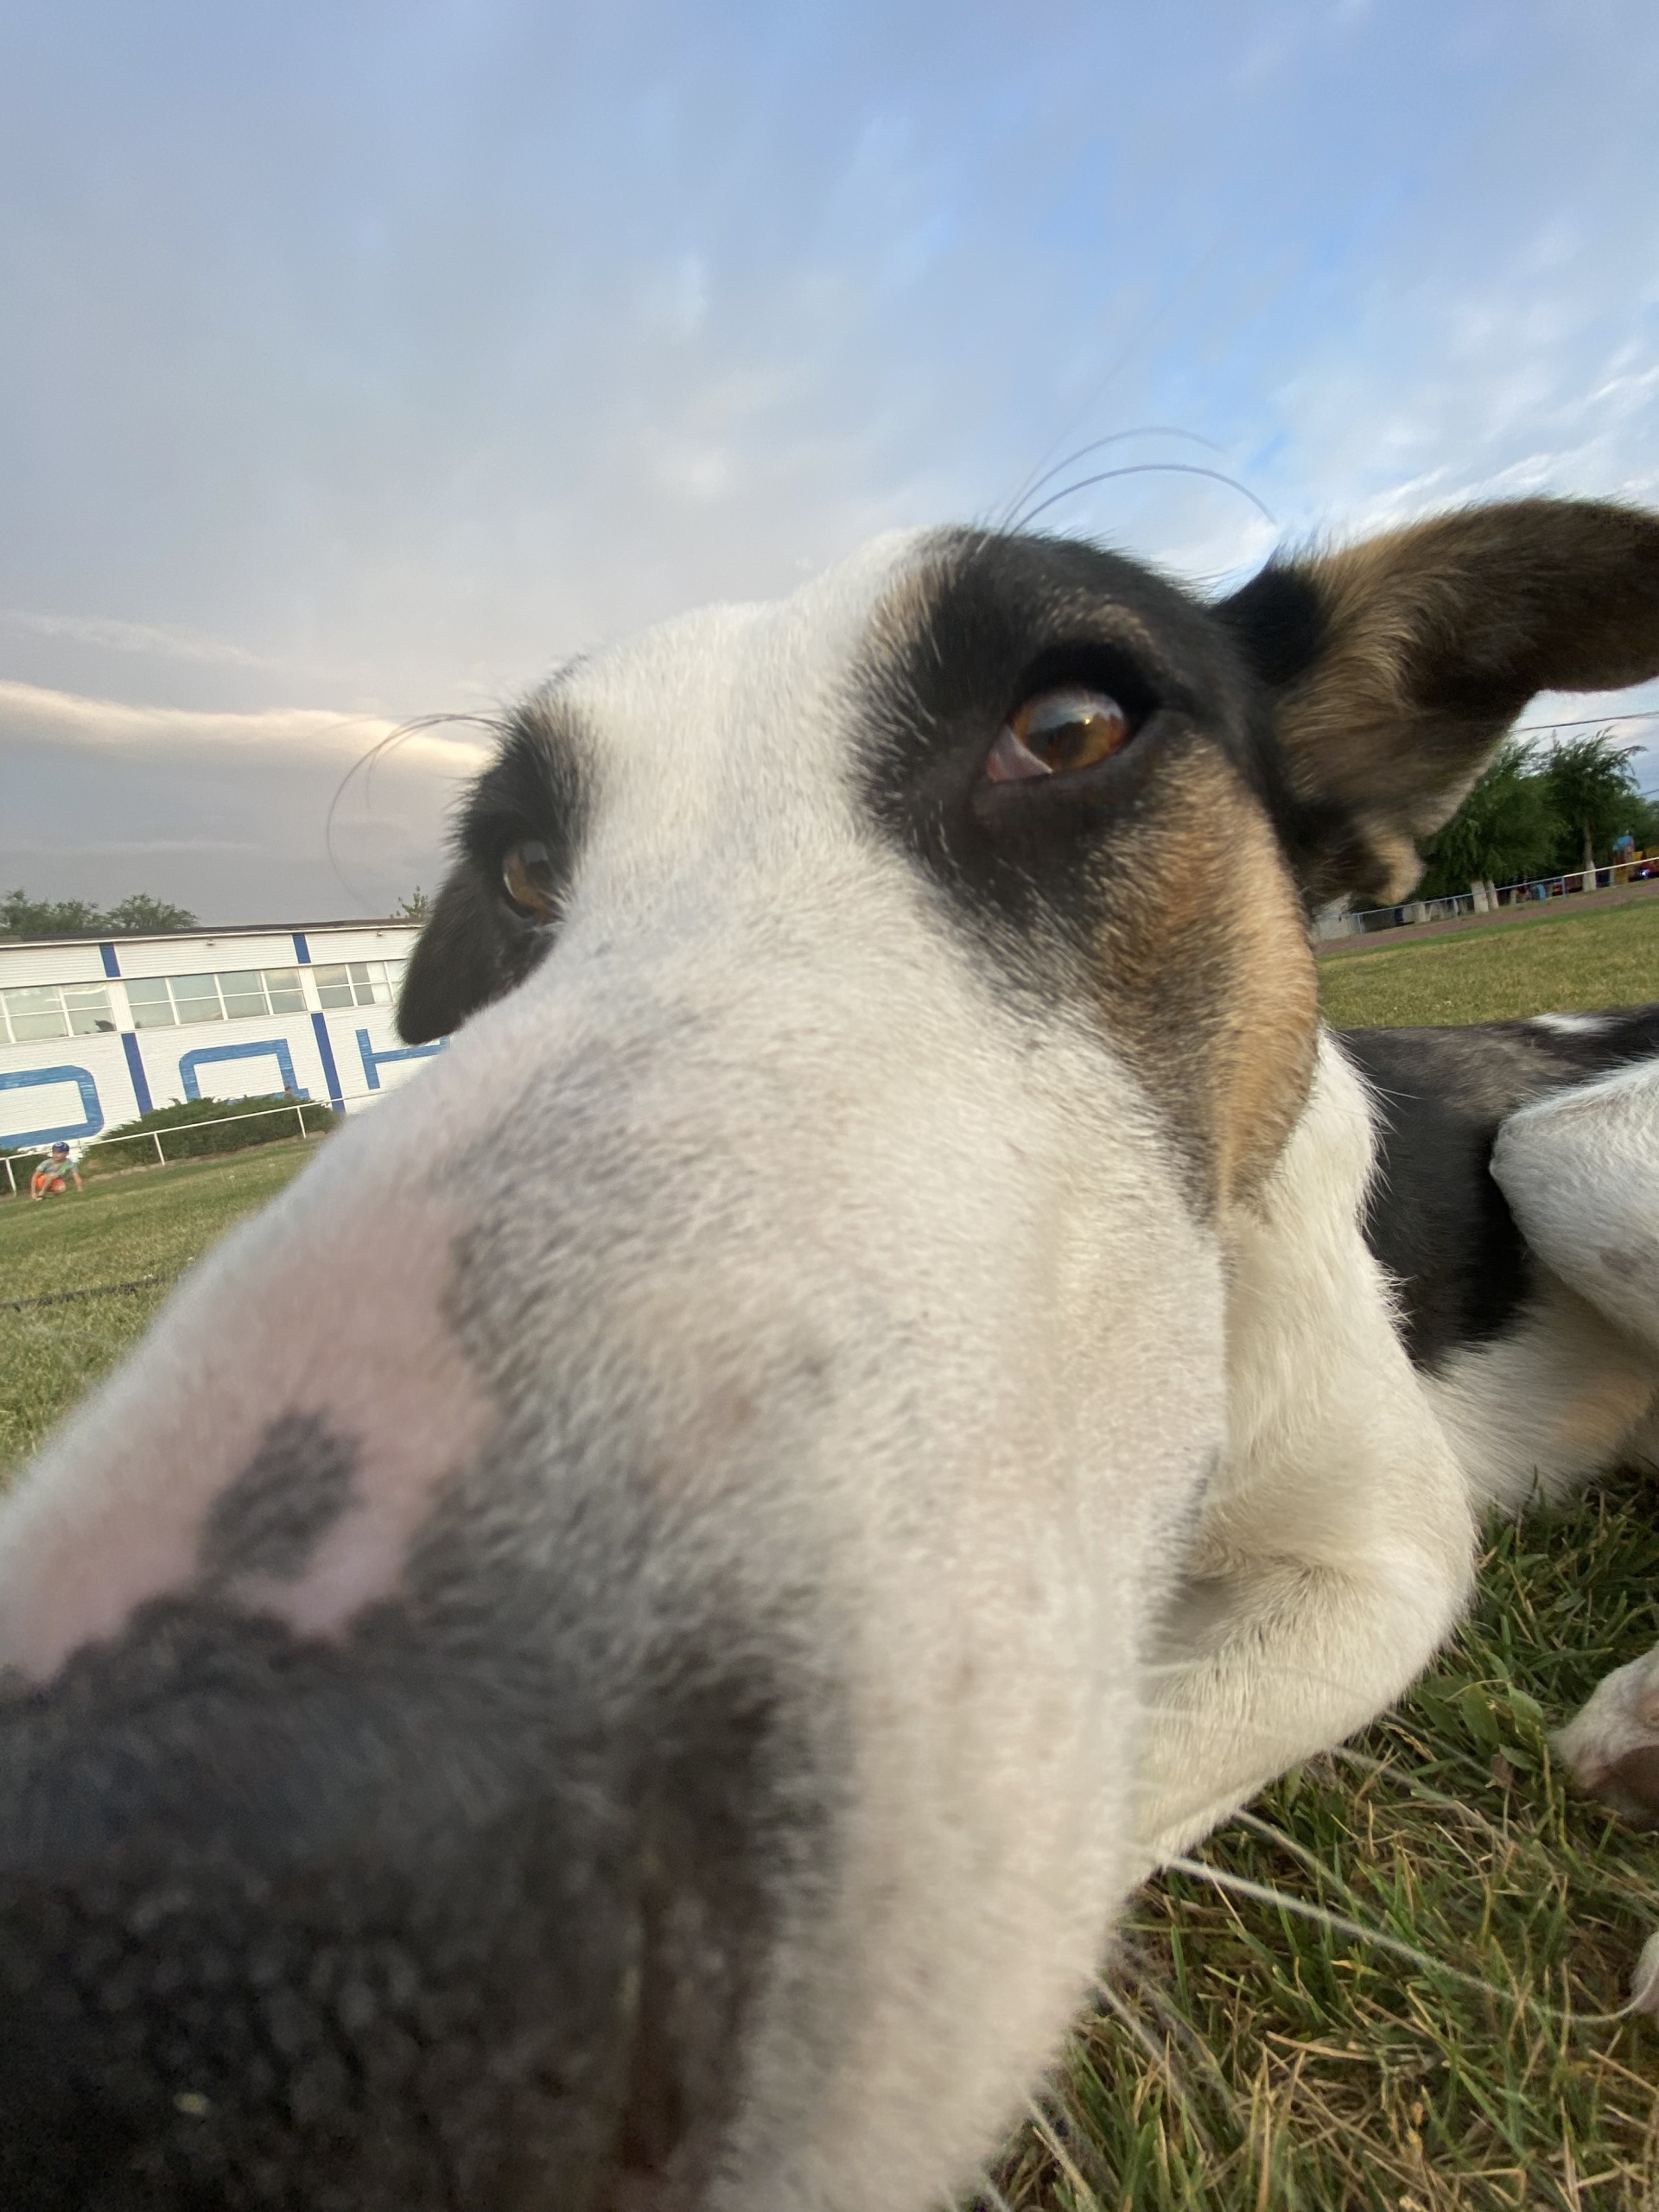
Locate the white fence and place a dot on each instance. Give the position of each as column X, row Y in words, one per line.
column 155, row 1136
column 1487, row 898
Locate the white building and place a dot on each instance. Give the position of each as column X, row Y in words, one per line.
column 93, row 1034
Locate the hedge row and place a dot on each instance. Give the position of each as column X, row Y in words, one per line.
column 257, row 1120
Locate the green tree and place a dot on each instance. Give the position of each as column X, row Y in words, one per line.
column 415, row 907
column 1593, row 792
column 1507, row 828
column 23, row 917
column 141, row 915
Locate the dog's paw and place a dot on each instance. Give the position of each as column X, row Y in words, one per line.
column 1611, row 1747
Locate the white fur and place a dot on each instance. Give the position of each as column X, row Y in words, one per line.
column 1577, row 1171
column 1336, row 1546
column 1571, row 1024
column 1621, row 1715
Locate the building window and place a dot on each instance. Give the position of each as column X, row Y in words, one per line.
column 195, row 998
column 262, row 990
column 151, row 1002
column 38, row 1010
column 354, row 982
column 167, row 1001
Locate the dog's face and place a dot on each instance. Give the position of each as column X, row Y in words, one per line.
column 594, row 1658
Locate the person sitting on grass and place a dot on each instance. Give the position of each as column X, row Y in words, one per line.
column 54, row 1174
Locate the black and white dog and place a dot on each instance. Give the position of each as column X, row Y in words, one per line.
column 619, row 1650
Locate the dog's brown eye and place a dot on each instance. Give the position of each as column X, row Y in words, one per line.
column 1056, row 733
column 528, row 880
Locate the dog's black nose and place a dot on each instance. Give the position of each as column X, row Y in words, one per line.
column 413, row 1919
column 302, row 1924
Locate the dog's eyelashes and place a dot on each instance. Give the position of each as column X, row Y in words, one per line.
column 528, row 879
column 1056, row 733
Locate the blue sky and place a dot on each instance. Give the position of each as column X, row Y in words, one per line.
column 362, row 360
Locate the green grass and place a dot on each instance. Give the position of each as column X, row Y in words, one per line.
column 153, row 1222
column 1551, row 965
column 1248, row 2060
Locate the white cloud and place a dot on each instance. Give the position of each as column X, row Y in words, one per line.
column 133, row 638
column 255, row 816
column 31, row 710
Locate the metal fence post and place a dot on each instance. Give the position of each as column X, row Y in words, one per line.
column 156, row 1139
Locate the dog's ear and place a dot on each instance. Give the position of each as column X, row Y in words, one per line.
column 459, row 961
column 1398, row 664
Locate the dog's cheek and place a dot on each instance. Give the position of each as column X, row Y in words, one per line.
column 1206, row 973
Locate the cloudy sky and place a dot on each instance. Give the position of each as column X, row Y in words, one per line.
column 361, row 359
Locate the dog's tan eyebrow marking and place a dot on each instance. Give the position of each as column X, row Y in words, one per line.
column 1214, row 998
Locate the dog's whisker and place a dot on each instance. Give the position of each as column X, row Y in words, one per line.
column 986, row 2191
column 1160, row 2057
column 1136, row 2028
column 1341, row 1924
column 1048, row 2135
column 1311, row 1859
column 368, row 760
column 1236, row 1727
column 1150, row 468
column 1182, row 291
column 1278, row 1670
column 1182, row 2030
column 1010, row 518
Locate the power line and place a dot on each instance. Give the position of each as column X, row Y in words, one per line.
column 1588, row 721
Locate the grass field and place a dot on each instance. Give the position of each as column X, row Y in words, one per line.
column 1245, row 2057
column 1557, row 963
column 123, row 1228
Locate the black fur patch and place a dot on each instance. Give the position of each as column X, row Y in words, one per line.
column 475, row 948
column 463, row 1912
column 993, row 621
column 1437, row 1221
column 272, row 1518
column 1279, row 622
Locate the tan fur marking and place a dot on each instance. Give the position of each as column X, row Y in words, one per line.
column 1206, row 971
column 1270, row 1034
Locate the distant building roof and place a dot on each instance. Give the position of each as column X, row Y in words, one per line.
column 212, row 929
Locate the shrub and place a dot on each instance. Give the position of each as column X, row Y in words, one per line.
column 257, row 1123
